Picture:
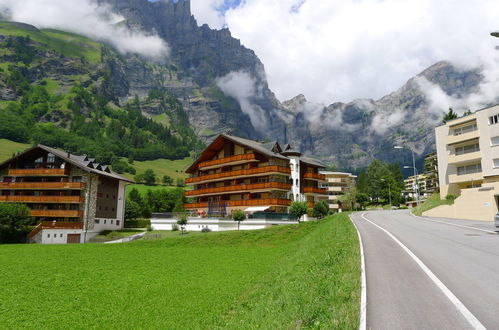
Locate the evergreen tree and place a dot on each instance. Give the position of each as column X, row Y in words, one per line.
column 450, row 115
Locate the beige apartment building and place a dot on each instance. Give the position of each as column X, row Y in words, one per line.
column 337, row 183
column 410, row 183
column 468, row 165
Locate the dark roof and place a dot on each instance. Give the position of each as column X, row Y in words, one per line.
column 264, row 148
column 82, row 162
column 312, row 161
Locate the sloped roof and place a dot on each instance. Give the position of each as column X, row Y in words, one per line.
column 312, row 161
column 82, row 162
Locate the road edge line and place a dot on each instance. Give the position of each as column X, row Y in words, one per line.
column 453, row 224
column 363, row 284
column 473, row 321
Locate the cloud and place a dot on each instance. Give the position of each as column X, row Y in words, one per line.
column 243, row 87
column 382, row 122
column 339, row 50
column 88, row 18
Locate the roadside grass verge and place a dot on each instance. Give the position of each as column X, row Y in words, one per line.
column 430, row 203
column 293, row 276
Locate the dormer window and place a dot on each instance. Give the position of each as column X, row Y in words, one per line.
column 39, row 160
column 50, row 158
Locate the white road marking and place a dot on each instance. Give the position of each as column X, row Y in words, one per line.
column 363, row 292
column 473, row 321
column 454, row 224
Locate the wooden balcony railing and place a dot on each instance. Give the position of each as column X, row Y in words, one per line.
column 43, row 199
column 314, row 190
column 55, row 225
column 39, row 172
column 247, row 172
column 244, row 202
column 242, row 187
column 57, row 213
column 314, row 176
column 227, row 160
column 42, row 185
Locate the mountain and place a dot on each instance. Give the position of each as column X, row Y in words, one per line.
column 210, row 83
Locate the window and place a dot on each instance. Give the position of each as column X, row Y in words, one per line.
column 469, row 169
column 292, row 167
column 39, row 160
column 494, row 119
column 97, row 221
column 494, row 141
column 105, row 221
column 297, row 181
column 76, row 179
column 465, row 129
column 105, row 208
column 48, row 235
column 99, row 195
column 117, row 222
column 61, row 235
column 496, row 163
column 467, row 149
column 111, row 221
column 50, row 158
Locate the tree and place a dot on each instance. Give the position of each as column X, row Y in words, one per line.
column 132, row 210
column 149, row 177
column 298, row 209
column 180, row 182
column 182, row 222
column 167, row 180
column 350, row 197
column 450, row 115
column 139, row 178
column 375, row 173
column 14, row 222
column 321, row 209
column 362, row 182
column 135, row 196
column 238, row 215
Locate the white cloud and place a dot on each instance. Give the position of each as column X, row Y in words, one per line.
column 339, row 50
column 243, row 87
column 382, row 122
column 207, row 12
column 88, row 18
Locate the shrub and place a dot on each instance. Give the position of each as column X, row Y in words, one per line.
column 206, row 230
column 298, row 209
column 14, row 222
column 321, row 209
column 238, row 215
column 174, row 227
column 139, row 223
column 450, row 197
column 149, row 228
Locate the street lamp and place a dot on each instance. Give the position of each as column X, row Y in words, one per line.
column 414, row 167
column 389, row 192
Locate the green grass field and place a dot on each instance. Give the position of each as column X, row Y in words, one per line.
column 7, row 148
column 173, row 168
column 285, row 277
column 142, row 188
column 432, row 202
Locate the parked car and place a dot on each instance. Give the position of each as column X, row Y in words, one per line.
column 496, row 220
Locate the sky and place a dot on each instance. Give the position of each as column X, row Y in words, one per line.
column 341, row 50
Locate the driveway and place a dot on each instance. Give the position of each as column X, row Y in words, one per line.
column 451, row 281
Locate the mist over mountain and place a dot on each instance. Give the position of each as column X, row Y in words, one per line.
column 222, row 86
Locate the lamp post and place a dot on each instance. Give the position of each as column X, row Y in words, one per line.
column 389, row 192
column 415, row 170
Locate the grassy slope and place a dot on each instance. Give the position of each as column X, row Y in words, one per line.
column 432, row 202
column 173, row 168
column 68, row 44
column 292, row 276
column 7, row 148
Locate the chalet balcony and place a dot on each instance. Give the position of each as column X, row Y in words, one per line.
column 42, row 185
column 39, row 172
column 233, row 160
column 243, row 203
column 55, row 225
column 57, row 213
column 315, row 191
column 259, row 171
column 239, row 188
column 43, row 199
column 314, row 176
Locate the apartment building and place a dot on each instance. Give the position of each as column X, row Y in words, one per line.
column 468, row 165
column 72, row 198
column 337, row 184
column 431, row 173
column 411, row 185
column 236, row 173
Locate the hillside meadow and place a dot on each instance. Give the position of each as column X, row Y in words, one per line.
column 294, row 276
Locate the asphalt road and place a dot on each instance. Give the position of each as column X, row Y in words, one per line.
column 401, row 295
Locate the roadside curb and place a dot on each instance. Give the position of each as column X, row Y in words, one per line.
column 453, row 224
column 363, row 293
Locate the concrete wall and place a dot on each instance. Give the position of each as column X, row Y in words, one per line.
column 55, row 236
column 473, row 204
column 197, row 224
